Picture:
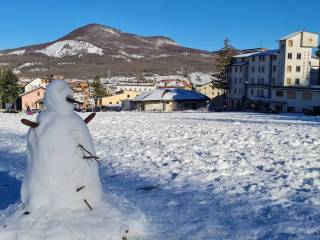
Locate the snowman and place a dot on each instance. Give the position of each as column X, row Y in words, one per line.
column 62, row 169
column 61, row 192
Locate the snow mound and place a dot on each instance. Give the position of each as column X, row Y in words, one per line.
column 106, row 223
column 70, row 48
column 161, row 42
column 18, row 52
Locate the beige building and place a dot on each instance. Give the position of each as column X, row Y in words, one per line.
column 33, row 99
column 257, row 74
column 211, row 89
column 118, row 98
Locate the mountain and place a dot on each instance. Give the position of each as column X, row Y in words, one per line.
column 97, row 49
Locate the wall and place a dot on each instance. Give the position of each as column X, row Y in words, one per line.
column 31, row 98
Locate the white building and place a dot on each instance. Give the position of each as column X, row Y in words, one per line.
column 36, row 83
column 135, row 87
column 260, row 74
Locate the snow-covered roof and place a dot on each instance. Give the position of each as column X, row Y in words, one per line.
column 268, row 52
column 290, row 35
column 245, row 54
column 170, row 94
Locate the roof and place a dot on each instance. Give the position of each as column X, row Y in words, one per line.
column 33, row 81
column 32, row 91
column 170, row 94
column 268, row 52
column 293, row 34
column 245, row 54
column 259, row 53
column 250, row 50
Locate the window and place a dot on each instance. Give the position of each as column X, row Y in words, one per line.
column 262, row 80
column 128, row 95
column 289, row 55
column 307, row 95
column 252, row 69
column 290, row 43
column 279, row 93
column 290, row 109
column 263, row 58
column 117, row 102
column 235, row 80
column 291, row 94
column 298, row 68
column 274, row 80
column 236, row 69
column 259, row 69
column 297, row 81
column 110, row 102
column 298, row 55
column 252, row 92
column 288, row 81
column 240, row 80
column 274, row 57
column 240, row 69
column 262, row 69
column 289, row 68
column 38, row 93
column 239, row 91
column 253, row 59
column 235, row 91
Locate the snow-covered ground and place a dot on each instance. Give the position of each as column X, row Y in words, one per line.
column 198, row 175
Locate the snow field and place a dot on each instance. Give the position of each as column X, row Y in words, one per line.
column 203, row 175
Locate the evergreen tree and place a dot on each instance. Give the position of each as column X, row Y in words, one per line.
column 9, row 87
column 98, row 88
column 225, row 55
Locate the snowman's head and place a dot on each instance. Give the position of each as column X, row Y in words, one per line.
column 56, row 95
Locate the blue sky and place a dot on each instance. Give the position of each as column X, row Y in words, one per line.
column 193, row 23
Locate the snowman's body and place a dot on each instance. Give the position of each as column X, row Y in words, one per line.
column 56, row 169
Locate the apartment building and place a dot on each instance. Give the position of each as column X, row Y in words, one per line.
column 260, row 75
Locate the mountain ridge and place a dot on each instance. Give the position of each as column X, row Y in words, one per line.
column 94, row 49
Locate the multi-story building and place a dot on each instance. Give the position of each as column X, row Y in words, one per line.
column 261, row 76
column 136, row 87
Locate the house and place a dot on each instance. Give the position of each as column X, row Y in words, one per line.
column 257, row 78
column 170, row 99
column 216, row 91
column 80, row 91
column 136, row 86
column 36, row 83
column 118, row 98
column 211, row 89
column 33, row 98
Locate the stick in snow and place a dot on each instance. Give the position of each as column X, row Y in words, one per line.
column 91, row 155
column 29, row 123
column 80, row 188
column 89, row 118
column 87, row 204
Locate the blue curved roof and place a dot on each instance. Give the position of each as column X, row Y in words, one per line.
column 170, row 94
